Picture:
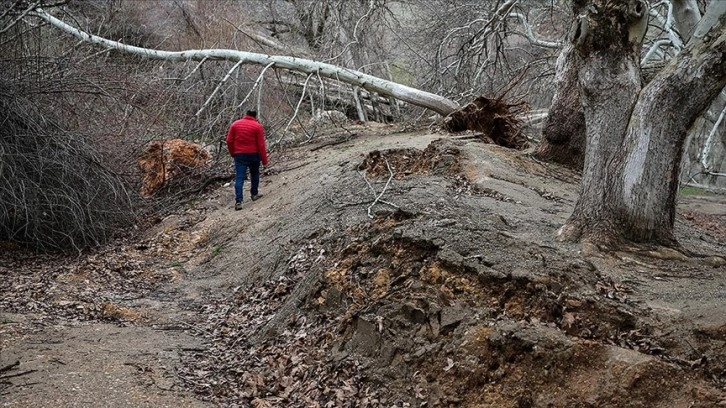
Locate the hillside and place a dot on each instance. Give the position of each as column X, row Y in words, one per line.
column 389, row 268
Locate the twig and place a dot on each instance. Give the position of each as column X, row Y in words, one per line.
column 191, row 73
column 10, row 366
column 333, row 143
column 205, row 184
column 374, row 193
column 3, row 377
column 297, row 109
column 256, row 84
column 21, row 16
column 378, row 197
column 706, row 151
column 226, row 77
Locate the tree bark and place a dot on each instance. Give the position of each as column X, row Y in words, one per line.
column 563, row 135
column 608, row 41
column 647, row 171
column 632, row 164
column 436, row 103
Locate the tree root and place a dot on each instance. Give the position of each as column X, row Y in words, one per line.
column 497, row 120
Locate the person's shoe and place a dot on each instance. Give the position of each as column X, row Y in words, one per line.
column 238, row 205
column 256, row 196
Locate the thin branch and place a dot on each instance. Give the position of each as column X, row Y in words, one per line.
column 667, row 24
column 10, row 366
column 226, row 77
column 711, row 139
column 373, row 190
column 378, row 197
column 529, row 34
column 654, row 48
column 297, row 109
column 193, row 71
column 21, row 16
column 259, row 39
column 11, row 8
column 256, row 84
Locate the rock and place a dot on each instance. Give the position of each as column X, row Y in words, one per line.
column 453, row 315
column 366, row 339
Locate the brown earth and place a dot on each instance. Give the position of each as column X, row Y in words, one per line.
column 392, row 269
column 162, row 162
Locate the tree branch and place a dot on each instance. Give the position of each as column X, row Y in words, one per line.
column 226, row 77
column 529, row 34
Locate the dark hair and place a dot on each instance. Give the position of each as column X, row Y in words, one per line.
column 252, row 113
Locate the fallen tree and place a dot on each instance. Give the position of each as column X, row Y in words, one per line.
column 436, row 103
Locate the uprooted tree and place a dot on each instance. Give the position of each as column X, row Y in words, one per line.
column 634, row 137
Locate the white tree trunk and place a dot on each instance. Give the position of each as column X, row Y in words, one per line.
column 686, row 15
column 436, row 103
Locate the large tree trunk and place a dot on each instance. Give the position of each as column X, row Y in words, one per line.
column 609, row 79
column 563, row 135
column 632, row 162
column 647, row 174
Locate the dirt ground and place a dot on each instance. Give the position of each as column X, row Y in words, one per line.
column 388, row 269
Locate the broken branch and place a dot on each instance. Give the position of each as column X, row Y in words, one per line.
column 378, row 197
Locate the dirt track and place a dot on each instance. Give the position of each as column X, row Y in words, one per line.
column 453, row 293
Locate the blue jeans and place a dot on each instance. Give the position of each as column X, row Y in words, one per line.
column 242, row 162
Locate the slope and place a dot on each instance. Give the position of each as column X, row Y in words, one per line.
column 391, row 269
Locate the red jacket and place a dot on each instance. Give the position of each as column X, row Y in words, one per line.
column 246, row 135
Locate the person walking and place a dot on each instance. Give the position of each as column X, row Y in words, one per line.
column 246, row 144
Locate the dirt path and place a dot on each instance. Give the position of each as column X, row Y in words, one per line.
column 412, row 305
column 98, row 365
column 132, row 364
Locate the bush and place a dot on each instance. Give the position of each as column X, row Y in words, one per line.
column 55, row 192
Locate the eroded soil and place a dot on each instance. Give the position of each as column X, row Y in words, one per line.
column 393, row 269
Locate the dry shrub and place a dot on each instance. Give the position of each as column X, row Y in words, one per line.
column 55, row 192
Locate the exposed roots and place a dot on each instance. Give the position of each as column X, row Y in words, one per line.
column 601, row 240
column 435, row 159
column 165, row 160
column 496, row 119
